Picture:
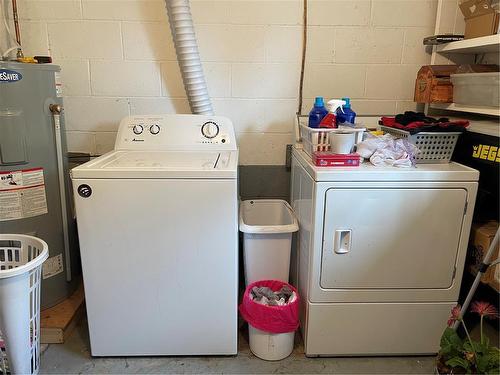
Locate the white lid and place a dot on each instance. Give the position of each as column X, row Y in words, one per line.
column 267, row 216
column 160, row 164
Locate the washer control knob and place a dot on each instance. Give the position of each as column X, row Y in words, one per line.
column 154, row 129
column 138, row 129
column 210, row 129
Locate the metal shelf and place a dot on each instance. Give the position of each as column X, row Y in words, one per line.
column 491, row 111
column 484, row 44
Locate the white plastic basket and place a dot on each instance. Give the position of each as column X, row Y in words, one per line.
column 21, row 259
column 435, row 148
column 318, row 139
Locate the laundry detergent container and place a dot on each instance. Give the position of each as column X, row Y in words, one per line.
column 267, row 226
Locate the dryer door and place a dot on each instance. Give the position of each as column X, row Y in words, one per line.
column 391, row 238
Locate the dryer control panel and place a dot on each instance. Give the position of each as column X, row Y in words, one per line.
column 176, row 132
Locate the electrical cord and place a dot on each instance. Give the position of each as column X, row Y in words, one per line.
column 303, row 62
column 4, row 16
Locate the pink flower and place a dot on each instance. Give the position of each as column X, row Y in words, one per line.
column 484, row 309
column 455, row 315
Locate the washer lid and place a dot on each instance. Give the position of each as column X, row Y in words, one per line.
column 160, row 164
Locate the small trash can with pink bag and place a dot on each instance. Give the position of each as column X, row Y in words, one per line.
column 271, row 309
column 270, row 305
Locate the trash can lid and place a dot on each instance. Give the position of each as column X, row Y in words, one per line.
column 267, row 216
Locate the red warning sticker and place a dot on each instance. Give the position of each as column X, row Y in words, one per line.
column 22, row 194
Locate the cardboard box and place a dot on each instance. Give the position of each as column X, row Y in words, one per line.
column 495, row 283
column 480, row 18
column 481, row 237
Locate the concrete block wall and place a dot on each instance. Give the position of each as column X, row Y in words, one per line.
column 117, row 59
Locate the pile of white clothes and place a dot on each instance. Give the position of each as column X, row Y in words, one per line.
column 387, row 150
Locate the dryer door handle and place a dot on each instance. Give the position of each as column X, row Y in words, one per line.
column 342, row 241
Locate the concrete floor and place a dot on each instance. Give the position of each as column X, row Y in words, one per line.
column 73, row 357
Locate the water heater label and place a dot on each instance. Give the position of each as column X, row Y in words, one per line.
column 52, row 266
column 22, row 194
column 7, row 75
column 59, row 89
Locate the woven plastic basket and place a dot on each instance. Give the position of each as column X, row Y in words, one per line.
column 435, row 148
column 21, row 259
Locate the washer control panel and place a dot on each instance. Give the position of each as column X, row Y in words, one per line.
column 175, row 132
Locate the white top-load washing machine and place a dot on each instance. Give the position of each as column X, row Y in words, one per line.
column 157, row 221
column 380, row 254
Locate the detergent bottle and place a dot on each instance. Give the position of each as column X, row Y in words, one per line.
column 330, row 120
column 317, row 112
column 346, row 114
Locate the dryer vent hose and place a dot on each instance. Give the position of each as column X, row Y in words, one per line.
column 186, row 48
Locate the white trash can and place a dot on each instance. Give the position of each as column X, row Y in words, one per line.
column 270, row 346
column 21, row 259
column 267, row 226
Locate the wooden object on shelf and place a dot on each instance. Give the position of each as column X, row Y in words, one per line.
column 57, row 322
column 480, row 239
column 433, row 84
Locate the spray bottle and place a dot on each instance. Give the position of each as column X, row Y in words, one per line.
column 348, row 117
column 330, row 120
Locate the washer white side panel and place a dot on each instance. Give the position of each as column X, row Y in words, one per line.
column 341, row 329
column 160, row 267
column 302, row 195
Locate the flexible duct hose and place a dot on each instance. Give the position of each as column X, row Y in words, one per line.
column 186, row 48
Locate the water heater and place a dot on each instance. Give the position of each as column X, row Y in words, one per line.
column 35, row 195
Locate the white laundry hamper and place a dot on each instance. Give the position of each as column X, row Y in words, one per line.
column 21, row 259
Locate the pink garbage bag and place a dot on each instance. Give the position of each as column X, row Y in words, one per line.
column 271, row 319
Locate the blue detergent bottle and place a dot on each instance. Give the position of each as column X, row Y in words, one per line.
column 348, row 116
column 317, row 112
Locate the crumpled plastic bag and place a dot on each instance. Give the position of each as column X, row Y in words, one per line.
column 371, row 143
column 388, row 151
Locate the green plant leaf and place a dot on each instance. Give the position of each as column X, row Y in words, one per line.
column 488, row 363
column 451, row 344
column 458, row 362
column 486, row 340
column 482, row 363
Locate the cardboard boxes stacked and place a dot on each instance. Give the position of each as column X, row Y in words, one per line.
column 481, row 237
column 480, row 18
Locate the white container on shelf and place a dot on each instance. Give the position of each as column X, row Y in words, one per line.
column 319, row 139
column 267, row 226
column 479, row 89
column 270, row 346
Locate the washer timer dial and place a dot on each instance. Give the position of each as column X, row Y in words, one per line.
column 154, row 129
column 138, row 129
column 210, row 129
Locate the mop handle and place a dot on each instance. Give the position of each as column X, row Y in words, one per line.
column 482, row 269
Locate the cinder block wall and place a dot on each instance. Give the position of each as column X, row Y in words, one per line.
column 117, row 59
